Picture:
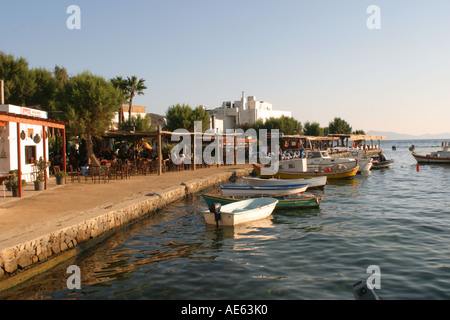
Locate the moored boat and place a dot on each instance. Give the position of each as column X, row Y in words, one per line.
column 440, row 156
column 265, row 190
column 313, row 182
column 365, row 162
column 382, row 164
column 335, row 172
column 239, row 211
column 323, row 159
column 305, row 200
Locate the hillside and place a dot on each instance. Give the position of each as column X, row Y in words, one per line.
column 400, row 136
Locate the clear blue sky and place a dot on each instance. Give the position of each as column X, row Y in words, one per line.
column 315, row 58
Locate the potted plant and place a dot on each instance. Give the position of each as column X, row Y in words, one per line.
column 13, row 184
column 61, row 177
column 41, row 166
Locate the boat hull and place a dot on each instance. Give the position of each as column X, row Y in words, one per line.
column 301, row 201
column 269, row 191
column 242, row 211
column 346, row 174
column 383, row 164
column 313, row 182
column 428, row 159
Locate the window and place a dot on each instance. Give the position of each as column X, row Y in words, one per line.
column 30, row 154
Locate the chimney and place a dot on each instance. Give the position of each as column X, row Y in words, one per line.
column 2, row 93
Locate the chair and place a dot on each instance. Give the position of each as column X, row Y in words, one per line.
column 74, row 174
column 92, row 172
column 103, row 171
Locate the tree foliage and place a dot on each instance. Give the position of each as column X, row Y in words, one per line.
column 88, row 103
column 131, row 86
column 136, row 124
column 286, row 125
column 313, row 129
column 339, row 126
column 183, row 117
column 30, row 87
column 19, row 83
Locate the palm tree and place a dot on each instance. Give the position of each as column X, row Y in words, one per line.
column 133, row 87
column 121, row 83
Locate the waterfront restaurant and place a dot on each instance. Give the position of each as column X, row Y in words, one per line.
column 23, row 139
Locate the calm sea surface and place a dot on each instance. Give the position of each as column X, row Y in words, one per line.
column 397, row 219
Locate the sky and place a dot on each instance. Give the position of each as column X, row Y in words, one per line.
column 315, row 58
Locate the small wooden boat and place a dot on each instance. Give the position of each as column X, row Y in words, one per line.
column 381, row 164
column 337, row 172
column 313, row 182
column 239, row 211
column 269, row 191
column 304, row 200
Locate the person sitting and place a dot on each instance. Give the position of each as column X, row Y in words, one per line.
column 381, row 157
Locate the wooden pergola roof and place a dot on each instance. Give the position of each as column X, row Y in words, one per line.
column 20, row 118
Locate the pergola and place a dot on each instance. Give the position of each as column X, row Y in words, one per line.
column 6, row 117
column 160, row 133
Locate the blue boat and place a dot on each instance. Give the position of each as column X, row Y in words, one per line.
column 274, row 190
column 382, row 164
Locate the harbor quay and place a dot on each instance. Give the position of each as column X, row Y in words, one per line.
column 44, row 228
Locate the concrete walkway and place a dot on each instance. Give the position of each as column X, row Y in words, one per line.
column 41, row 212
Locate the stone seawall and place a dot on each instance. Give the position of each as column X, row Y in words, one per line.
column 24, row 260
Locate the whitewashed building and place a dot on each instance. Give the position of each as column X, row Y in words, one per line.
column 135, row 111
column 23, row 139
column 245, row 111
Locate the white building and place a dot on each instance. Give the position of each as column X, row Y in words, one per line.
column 30, row 135
column 135, row 111
column 244, row 111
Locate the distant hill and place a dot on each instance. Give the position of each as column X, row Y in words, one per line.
column 157, row 119
column 400, row 136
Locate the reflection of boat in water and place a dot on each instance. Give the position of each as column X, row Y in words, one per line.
column 440, row 156
column 239, row 212
column 249, row 230
column 313, row 182
column 305, row 200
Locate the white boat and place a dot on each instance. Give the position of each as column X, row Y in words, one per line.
column 270, row 191
column 323, row 159
column 440, row 156
column 313, row 182
column 240, row 211
column 365, row 161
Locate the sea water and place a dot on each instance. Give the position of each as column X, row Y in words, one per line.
column 396, row 219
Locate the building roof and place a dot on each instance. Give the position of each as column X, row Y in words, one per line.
column 134, row 109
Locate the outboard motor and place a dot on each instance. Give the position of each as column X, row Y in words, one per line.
column 215, row 208
column 362, row 292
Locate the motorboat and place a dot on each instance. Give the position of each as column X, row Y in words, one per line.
column 239, row 211
column 264, row 190
column 440, row 156
column 313, row 182
column 304, row 200
column 337, row 171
